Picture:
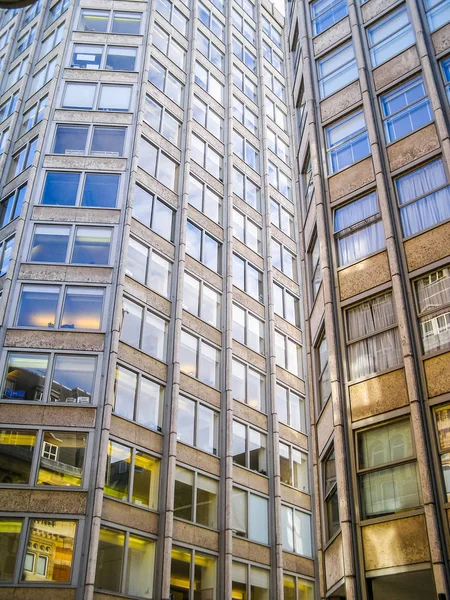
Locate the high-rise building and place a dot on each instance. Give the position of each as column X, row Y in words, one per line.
column 371, row 85
column 153, row 439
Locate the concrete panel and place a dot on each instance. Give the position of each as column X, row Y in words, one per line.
column 246, row 208
column 43, row 593
column 251, row 551
column 242, row 298
column 325, row 426
column 92, row 116
column 288, row 329
column 247, row 253
column 378, row 395
column 396, row 67
column 315, row 319
column 129, row 516
column 334, row 562
column 395, row 543
column 58, row 340
column 48, row 415
column 250, row 479
column 70, row 273
column 364, row 275
column 153, row 239
column 340, row 101
column 294, row 382
column 412, row 147
column 202, row 328
column 142, row 361
column 294, row 437
column 294, row 497
column 198, row 459
column 132, row 432
column 286, row 281
column 437, row 373
column 374, row 7
column 242, row 411
column 199, row 390
column 68, row 214
column 428, row 247
column 46, row 501
column 351, row 179
column 206, row 274
column 249, row 356
column 147, row 296
column 298, row 564
column 202, row 220
column 441, row 39
column 197, row 536
column 331, row 36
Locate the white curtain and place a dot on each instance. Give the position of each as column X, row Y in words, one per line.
column 433, row 291
column 377, row 352
column 361, row 243
column 355, row 212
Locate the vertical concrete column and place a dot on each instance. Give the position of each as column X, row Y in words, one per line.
column 399, row 280
column 344, row 487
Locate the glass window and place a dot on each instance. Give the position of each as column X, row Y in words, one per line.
column 173, row 15
column 201, row 300
column 296, row 531
column 144, row 329
column 389, row 36
column 433, row 300
column 206, row 157
column 391, row 489
column 62, row 459
column 201, row 246
column 196, row 498
column 204, row 199
column 279, row 180
column 325, row 13
column 97, row 189
column 198, row 425
column 249, row 516
column 337, row 69
column 247, row 278
column 295, row 588
column 207, row 117
column 192, row 566
column 22, row 160
column 161, row 78
column 158, row 164
column 248, row 385
column 89, row 245
column 153, row 212
column 294, row 467
column 246, row 189
column 211, row 21
column 290, row 408
column 199, row 359
column 249, row 448
column 281, row 218
column 405, row 109
column 375, row 322
column 210, row 50
column 126, row 22
column 284, row 260
column 138, row 398
column 442, row 418
column 358, row 229
column 209, row 83
column 347, row 142
column 125, row 563
column 445, row 66
column 33, row 116
column 247, row 231
column 247, row 329
column 168, row 46
column 330, row 493
column 10, row 530
column 438, row 13
column 286, row 305
column 323, row 371
column 288, row 354
column 424, row 197
column 161, row 120
column 245, row 84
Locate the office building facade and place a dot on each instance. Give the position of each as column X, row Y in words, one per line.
column 371, row 90
column 154, row 439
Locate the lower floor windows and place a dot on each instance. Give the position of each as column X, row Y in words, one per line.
column 296, row 531
column 249, row 582
column 248, row 385
column 433, row 302
column 196, row 498
column 442, row 417
column 249, row 516
column 47, row 554
column 330, row 495
column 388, row 474
column 193, row 574
column 295, row 588
column 198, row 425
column 125, row 563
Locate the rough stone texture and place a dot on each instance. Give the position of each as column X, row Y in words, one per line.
column 248, row 253
column 159, row 140
column 325, row 426
column 130, row 516
column 413, row 146
column 157, row 187
column 58, row 340
column 364, row 275
column 249, row 356
column 288, row 329
column 351, row 179
column 100, row 75
column 395, row 543
column 284, row 239
column 46, row 501
column 44, row 414
column 378, row 395
column 199, row 390
column 396, row 67
column 197, row 536
column 331, row 36
column 374, row 7
column 142, row 361
column 250, row 479
column 242, row 411
column 334, row 562
column 247, row 209
column 247, row 301
column 198, row 459
column 92, row 116
column 202, row 220
column 42, row 593
column 147, row 296
column 298, row 564
column 437, row 372
column 294, row 497
column 105, row 163
column 294, row 437
column 70, row 273
column 291, row 380
column 152, row 239
column 203, row 272
column 286, row 281
column 441, row 39
column 251, row 551
column 428, row 247
column 340, row 101
column 127, row 430
column 76, row 214
column 199, row 326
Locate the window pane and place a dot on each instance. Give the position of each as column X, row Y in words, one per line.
column 159, row 274
column 258, row 527
column 82, row 308
column 62, row 459
column 91, row 246
column 206, row 507
column 184, row 491
column 145, row 480
column 62, row 536
column 120, row 59
column 37, row 306
column 390, row 490
column 186, row 421
column 239, row 444
column 115, row 97
column 25, row 376
column 9, row 541
column 132, row 323
column 140, row 566
column 117, row 471
column 110, row 555
column 154, row 338
column 126, row 384
column 149, row 409
column 108, row 140
column 73, row 379
column 16, row 454
column 206, row 429
column 100, row 190
column 188, row 354
column 208, row 364
column 49, row 243
column 70, row 139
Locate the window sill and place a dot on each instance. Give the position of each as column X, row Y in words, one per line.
column 316, row 35
column 377, row 374
column 131, row 504
column 415, row 235
column 330, row 541
column 375, row 67
column 330, row 175
column 404, row 137
column 360, row 260
column 409, row 512
column 156, row 431
column 248, row 470
column 196, row 524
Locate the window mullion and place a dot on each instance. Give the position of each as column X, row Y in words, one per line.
column 125, row 561
column 21, row 550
